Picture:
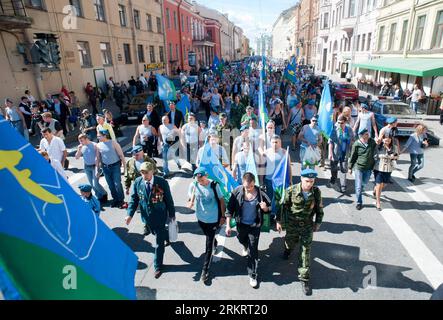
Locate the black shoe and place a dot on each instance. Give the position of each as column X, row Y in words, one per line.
column 104, row 199
column 114, row 204
column 412, row 179
column 167, row 243
column 157, row 274
column 330, row 184
column 205, row 276
column 306, row 288
column 359, row 206
column 286, row 254
column 215, row 245
column 146, row 230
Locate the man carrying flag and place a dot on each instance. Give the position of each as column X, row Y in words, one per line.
column 166, row 88
column 300, row 204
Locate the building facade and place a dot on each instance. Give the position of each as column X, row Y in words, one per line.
column 283, row 35
column 305, row 30
column 264, row 45
column 97, row 40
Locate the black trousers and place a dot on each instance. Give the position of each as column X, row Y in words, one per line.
column 210, row 230
column 207, row 108
column 249, row 237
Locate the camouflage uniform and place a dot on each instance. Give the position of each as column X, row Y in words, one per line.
column 296, row 217
column 237, row 112
column 131, row 172
column 225, row 131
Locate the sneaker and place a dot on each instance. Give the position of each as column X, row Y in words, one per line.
column 146, row 230
column 205, row 276
column 244, row 252
column 157, row 274
column 215, row 245
column 253, row 282
column 343, row 189
column 306, row 288
column 359, row 206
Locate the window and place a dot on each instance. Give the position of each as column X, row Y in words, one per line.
column 368, row 45
column 141, row 53
column 438, row 33
column 99, row 7
column 419, row 32
column 326, row 21
column 149, row 22
column 351, row 8
column 381, row 34
column 159, row 25
column 137, row 19
column 358, row 43
column 187, row 24
column 105, row 49
column 84, row 53
column 175, row 20
column 168, row 21
column 162, row 54
column 184, row 53
column 37, row 4
column 392, row 36
column 78, row 7
column 183, row 23
column 363, row 40
column 122, row 15
column 176, row 52
column 152, row 54
column 404, row 30
column 127, row 50
column 170, row 52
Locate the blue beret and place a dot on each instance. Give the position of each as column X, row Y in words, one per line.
column 200, row 171
column 362, row 131
column 85, row 187
column 365, row 106
column 243, row 128
column 311, row 102
column 295, row 102
column 105, row 132
column 136, row 149
column 391, row 120
column 309, row 173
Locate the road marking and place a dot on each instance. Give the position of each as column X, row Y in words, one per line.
column 436, row 189
column 419, row 196
column 328, row 265
column 423, row 257
column 76, row 178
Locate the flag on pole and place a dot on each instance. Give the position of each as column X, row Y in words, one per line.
column 326, row 113
column 263, row 111
column 184, row 105
column 281, row 179
column 217, row 65
column 291, row 70
column 217, row 172
column 166, row 88
column 63, row 250
column 251, row 166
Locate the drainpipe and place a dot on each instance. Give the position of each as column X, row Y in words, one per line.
column 410, row 25
column 165, row 45
column 134, row 40
column 180, row 35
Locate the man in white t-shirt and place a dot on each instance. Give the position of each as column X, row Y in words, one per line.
column 54, row 146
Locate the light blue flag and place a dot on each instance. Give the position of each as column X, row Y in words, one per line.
column 263, row 111
column 326, row 113
column 166, row 88
column 217, row 172
column 281, row 179
column 184, row 105
column 251, row 166
column 47, row 232
column 291, row 71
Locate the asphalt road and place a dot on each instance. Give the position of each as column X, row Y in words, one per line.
column 393, row 254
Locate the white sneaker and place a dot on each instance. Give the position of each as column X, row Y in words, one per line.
column 244, row 252
column 253, row 282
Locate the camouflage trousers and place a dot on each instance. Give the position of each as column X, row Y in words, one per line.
column 297, row 231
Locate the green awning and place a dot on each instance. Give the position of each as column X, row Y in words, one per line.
column 420, row 67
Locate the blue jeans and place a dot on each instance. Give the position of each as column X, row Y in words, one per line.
column 361, row 180
column 270, row 193
column 417, row 163
column 114, row 181
column 166, row 155
column 93, row 181
column 415, row 106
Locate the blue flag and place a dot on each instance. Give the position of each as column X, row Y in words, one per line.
column 216, row 64
column 263, row 111
column 166, row 88
column 251, row 166
column 48, row 233
column 184, row 105
column 281, row 179
column 291, row 71
column 326, row 113
column 217, row 172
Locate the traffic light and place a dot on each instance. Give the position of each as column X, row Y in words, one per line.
column 55, row 52
column 40, row 52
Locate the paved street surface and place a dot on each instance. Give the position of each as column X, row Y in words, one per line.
column 399, row 249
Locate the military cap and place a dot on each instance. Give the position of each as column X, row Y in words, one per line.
column 104, row 132
column 362, row 131
column 191, row 114
column 311, row 102
column 249, row 108
column 9, row 100
column 277, row 101
column 203, row 121
column 309, row 173
column 200, row 171
column 314, row 117
column 147, row 166
column 136, row 149
column 391, row 120
column 223, row 115
column 296, row 102
column 243, row 128
column 85, row 187
column 365, row 106
column 100, row 115
column 170, row 102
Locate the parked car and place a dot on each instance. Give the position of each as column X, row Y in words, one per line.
column 407, row 119
column 136, row 108
column 345, row 91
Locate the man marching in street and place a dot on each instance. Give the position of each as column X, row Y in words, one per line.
column 154, row 196
column 301, row 214
column 132, row 172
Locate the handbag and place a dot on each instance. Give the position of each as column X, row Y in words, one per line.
column 173, row 231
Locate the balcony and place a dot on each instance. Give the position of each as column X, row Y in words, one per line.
column 13, row 15
column 348, row 24
column 324, row 33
